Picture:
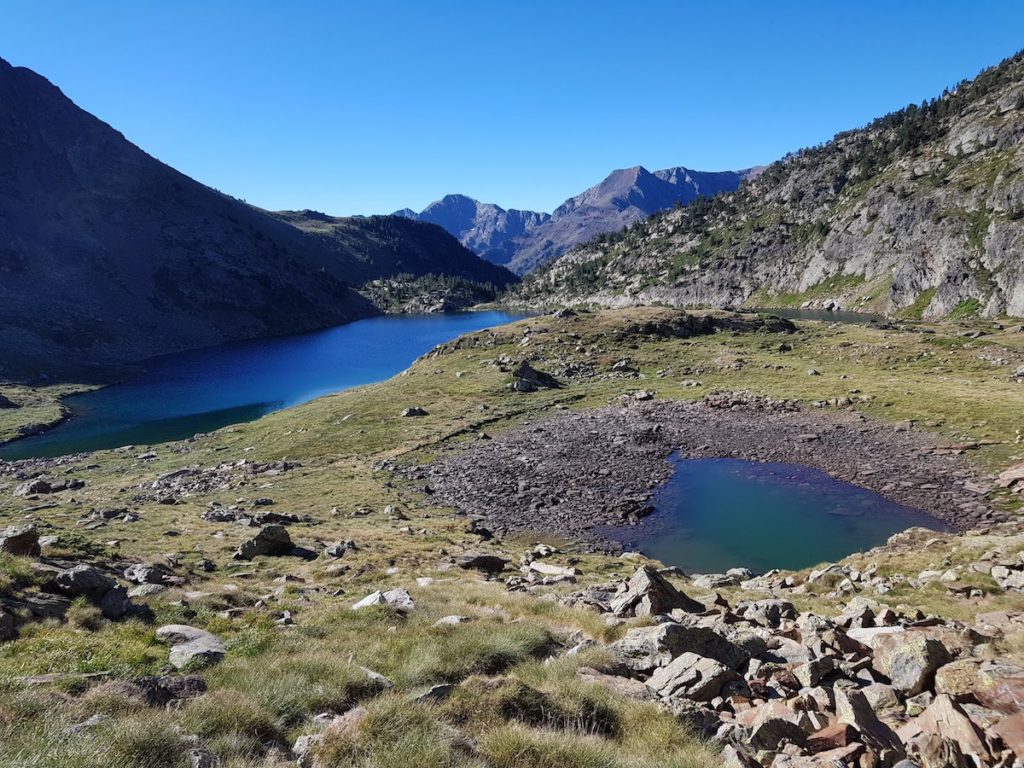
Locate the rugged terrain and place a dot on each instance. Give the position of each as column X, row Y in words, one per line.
column 919, row 214
column 524, row 240
column 296, row 589
column 108, row 256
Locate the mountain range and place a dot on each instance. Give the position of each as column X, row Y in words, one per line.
column 918, row 214
column 108, row 256
column 524, row 240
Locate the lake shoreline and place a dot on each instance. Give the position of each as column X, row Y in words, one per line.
column 184, row 387
column 575, row 473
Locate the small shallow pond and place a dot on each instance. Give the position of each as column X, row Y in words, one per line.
column 201, row 390
column 716, row 514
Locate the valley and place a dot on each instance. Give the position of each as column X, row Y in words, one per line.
column 699, row 469
column 348, row 479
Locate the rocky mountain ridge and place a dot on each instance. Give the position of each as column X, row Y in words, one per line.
column 108, row 256
column 525, row 240
column 917, row 214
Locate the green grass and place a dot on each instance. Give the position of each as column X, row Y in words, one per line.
column 917, row 309
column 965, row 309
column 274, row 679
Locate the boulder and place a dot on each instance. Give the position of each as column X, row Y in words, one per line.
column 853, row 709
column 832, row 737
column 477, row 561
column 8, row 627
column 413, row 411
column 693, row 677
column 958, row 679
column 644, row 649
column 1000, row 686
column 767, row 613
column 115, row 603
column 946, row 719
column 910, row 660
column 37, row 485
column 20, row 540
column 547, row 569
column 143, row 573
column 648, row 593
column 399, row 599
column 526, row 378
column 191, row 645
column 773, row 733
column 1010, row 731
column 271, row 540
column 84, row 581
column 812, row 672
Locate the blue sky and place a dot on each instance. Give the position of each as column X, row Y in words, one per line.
column 367, row 107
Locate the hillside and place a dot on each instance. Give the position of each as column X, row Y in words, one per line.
column 917, row 214
column 524, row 240
column 108, row 256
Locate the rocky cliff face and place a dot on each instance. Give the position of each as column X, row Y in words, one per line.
column 921, row 213
column 525, row 240
column 108, row 256
column 486, row 229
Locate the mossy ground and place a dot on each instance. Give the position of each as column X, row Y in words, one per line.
column 275, row 678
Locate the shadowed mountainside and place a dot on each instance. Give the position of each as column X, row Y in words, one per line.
column 108, row 256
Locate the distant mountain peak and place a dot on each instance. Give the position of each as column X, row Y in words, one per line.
column 524, row 240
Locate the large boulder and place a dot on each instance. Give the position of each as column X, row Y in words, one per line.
column 690, row 676
column 84, row 581
column 648, row 593
column 20, row 540
column 853, row 708
column 144, row 573
column 1000, row 686
column 33, row 487
column 271, row 540
column 767, row 613
column 526, row 378
column 479, row 561
column 910, row 660
column 645, row 649
column 398, row 599
column 945, row 720
column 191, row 645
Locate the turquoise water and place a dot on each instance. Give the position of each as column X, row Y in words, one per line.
column 716, row 514
column 206, row 389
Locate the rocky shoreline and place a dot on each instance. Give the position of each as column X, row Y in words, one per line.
column 576, row 473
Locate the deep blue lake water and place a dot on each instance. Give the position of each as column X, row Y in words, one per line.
column 198, row 391
column 716, row 514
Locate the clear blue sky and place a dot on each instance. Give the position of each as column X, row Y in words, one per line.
column 367, row 107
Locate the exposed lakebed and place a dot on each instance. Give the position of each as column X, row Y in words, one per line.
column 716, row 514
column 606, row 478
column 198, row 391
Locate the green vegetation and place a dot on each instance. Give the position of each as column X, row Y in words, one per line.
column 965, row 309
column 512, row 705
column 916, row 310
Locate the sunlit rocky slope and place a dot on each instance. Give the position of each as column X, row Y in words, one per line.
column 920, row 213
